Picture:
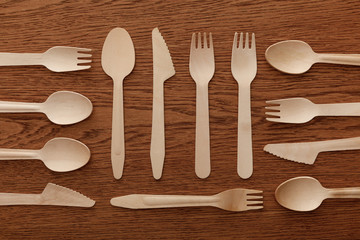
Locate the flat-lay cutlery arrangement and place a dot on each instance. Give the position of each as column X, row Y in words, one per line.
column 118, row 60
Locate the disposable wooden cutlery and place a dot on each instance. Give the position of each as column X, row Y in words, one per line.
column 118, row 61
column 306, row 193
column 244, row 68
column 163, row 69
column 237, row 199
column 306, row 152
column 52, row 195
column 56, row 59
column 296, row 57
column 59, row 154
column 202, row 68
column 62, row 107
column 302, row 110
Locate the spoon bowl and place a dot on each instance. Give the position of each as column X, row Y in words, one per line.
column 300, row 194
column 64, row 154
column 65, row 107
column 293, row 56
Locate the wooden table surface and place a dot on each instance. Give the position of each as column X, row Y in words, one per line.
column 34, row 26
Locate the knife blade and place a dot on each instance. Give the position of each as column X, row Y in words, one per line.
column 163, row 69
column 52, row 195
column 306, row 152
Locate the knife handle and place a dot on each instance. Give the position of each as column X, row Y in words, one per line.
column 244, row 145
column 147, row 201
column 117, row 134
column 202, row 141
column 7, row 199
column 339, row 144
column 157, row 148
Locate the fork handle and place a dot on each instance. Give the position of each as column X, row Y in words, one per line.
column 117, row 138
column 244, row 147
column 202, row 139
column 146, row 201
column 339, row 109
column 346, row 59
column 157, row 147
column 17, row 59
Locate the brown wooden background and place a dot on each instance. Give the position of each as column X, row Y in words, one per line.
column 34, row 26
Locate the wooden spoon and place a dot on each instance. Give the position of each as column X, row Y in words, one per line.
column 62, row 107
column 296, row 57
column 118, row 60
column 58, row 154
column 307, row 193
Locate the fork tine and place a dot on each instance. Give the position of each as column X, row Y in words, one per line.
column 81, row 61
column 84, row 55
column 193, row 41
column 199, row 40
column 241, row 45
column 275, row 108
column 235, row 41
column 246, row 41
column 252, row 191
column 251, row 203
column 254, row 207
column 205, row 41
column 83, row 49
column 253, row 41
column 274, row 119
column 278, row 101
column 211, row 41
column 250, row 197
column 82, row 67
column 277, row 114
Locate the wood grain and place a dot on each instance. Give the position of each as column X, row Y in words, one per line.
column 34, row 26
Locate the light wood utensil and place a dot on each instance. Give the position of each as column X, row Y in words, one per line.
column 62, row 107
column 244, row 68
column 118, row 61
column 306, row 152
column 59, row 154
column 52, row 195
column 237, row 199
column 56, row 59
column 302, row 110
column 202, row 69
column 306, row 193
column 296, row 57
column 163, row 69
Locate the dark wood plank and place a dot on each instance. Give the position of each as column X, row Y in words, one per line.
column 34, row 26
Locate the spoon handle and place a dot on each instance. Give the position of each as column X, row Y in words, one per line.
column 16, row 107
column 20, row 59
column 117, row 138
column 353, row 192
column 202, row 135
column 18, row 154
column 146, row 201
column 346, row 59
column 339, row 109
